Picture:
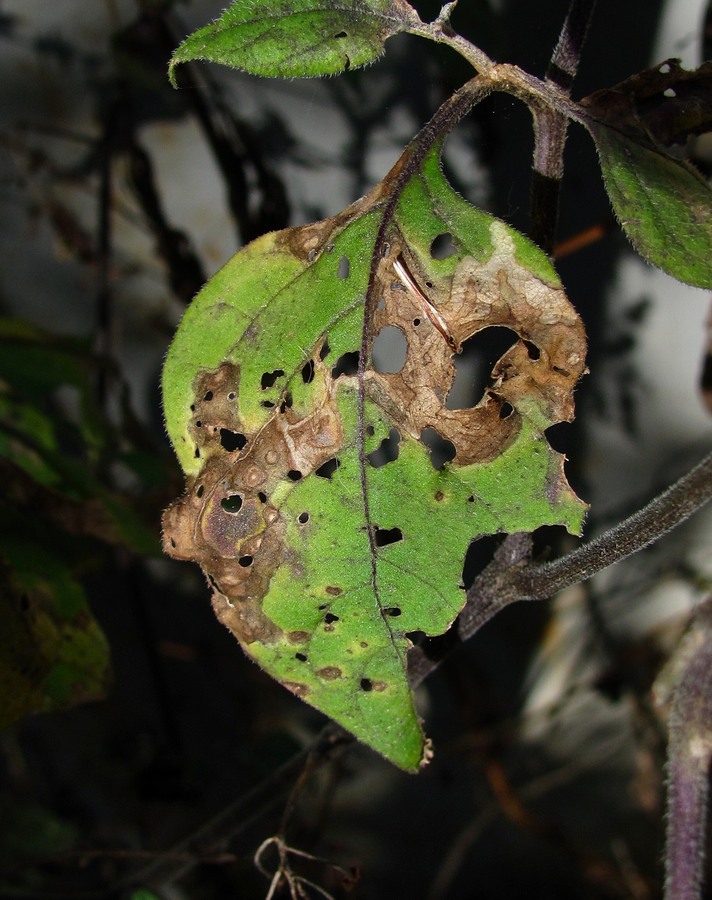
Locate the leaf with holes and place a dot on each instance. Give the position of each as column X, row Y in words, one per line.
column 335, row 477
column 297, row 38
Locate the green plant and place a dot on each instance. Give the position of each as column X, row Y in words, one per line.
column 331, row 496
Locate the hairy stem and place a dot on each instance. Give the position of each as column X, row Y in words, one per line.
column 511, row 577
column 689, row 756
column 550, row 126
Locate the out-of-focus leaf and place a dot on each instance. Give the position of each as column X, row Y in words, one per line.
column 52, row 652
column 302, row 38
column 666, row 104
column 663, row 205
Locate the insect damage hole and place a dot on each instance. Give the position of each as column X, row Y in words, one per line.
column 231, row 440
column 442, row 246
column 346, row 364
column 327, row 469
column 232, row 503
column 385, row 536
column 441, row 450
column 387, row 451
column 474, row 364
column 366, row 684
column 390, row 348
column 268, row 378
column 344, row 269
column 308, row 372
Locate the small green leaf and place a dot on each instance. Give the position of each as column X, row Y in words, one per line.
column 332, row 510
column 297, row 38
column 664, row 207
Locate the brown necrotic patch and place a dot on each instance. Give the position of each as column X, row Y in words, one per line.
column 330, row 673
column 537, row 362
column 225, row 520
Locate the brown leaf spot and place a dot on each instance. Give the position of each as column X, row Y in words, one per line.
column 298, row 637
column 228, row 524
column 333, row 589
column 330, row 673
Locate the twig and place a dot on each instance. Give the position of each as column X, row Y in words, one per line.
column 511, row 577
column 689, row 757
column 550, row 126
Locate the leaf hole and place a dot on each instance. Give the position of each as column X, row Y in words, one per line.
column 392, row 611
column 294, row 475
column 303, row 518
column 387, row 450
column 232, row 395
column 416, row 322
column 385, row 536
column 346, row 364
column 208, row 396
column 198, row 424
column 197, row 453
column 232, row 503
column 231, row 440
column 328, row 468
column 262, row 497
column 366, row 684
column 344, row 269
column 505, row 410
column 443, row 246
column 268, row 378
column 330, row 618
column 308, row 372
column 173, row 543
column 390, row 348
column 245, row 561
column 669, row 92
column 286, row 403
column 302, row 657
column 268, row 404
column 564, row 372
column 199, row 491
column 340, row 35
column 325, row 350
column 532, row 350
column 370, row 430
column 474, row 364
column 441, row 450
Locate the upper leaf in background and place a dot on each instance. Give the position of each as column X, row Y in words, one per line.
column 663, row 204
column 297, row 38
column 320, row 502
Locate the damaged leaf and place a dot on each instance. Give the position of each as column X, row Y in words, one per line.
column 297, row 38
column 330, row 503
column 663, row 204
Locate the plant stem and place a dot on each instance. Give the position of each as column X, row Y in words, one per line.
column 510, row 576
column 550, row 126
column 689, row 755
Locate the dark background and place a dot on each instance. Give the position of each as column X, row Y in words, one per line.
column 547, row 778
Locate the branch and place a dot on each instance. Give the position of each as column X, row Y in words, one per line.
column 690, row 754
column 511, row 577
column 550, row 126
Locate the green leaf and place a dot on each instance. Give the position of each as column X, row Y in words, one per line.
column 52, row 651
column 318, row 499
column 302, row 38
column 663, row 205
